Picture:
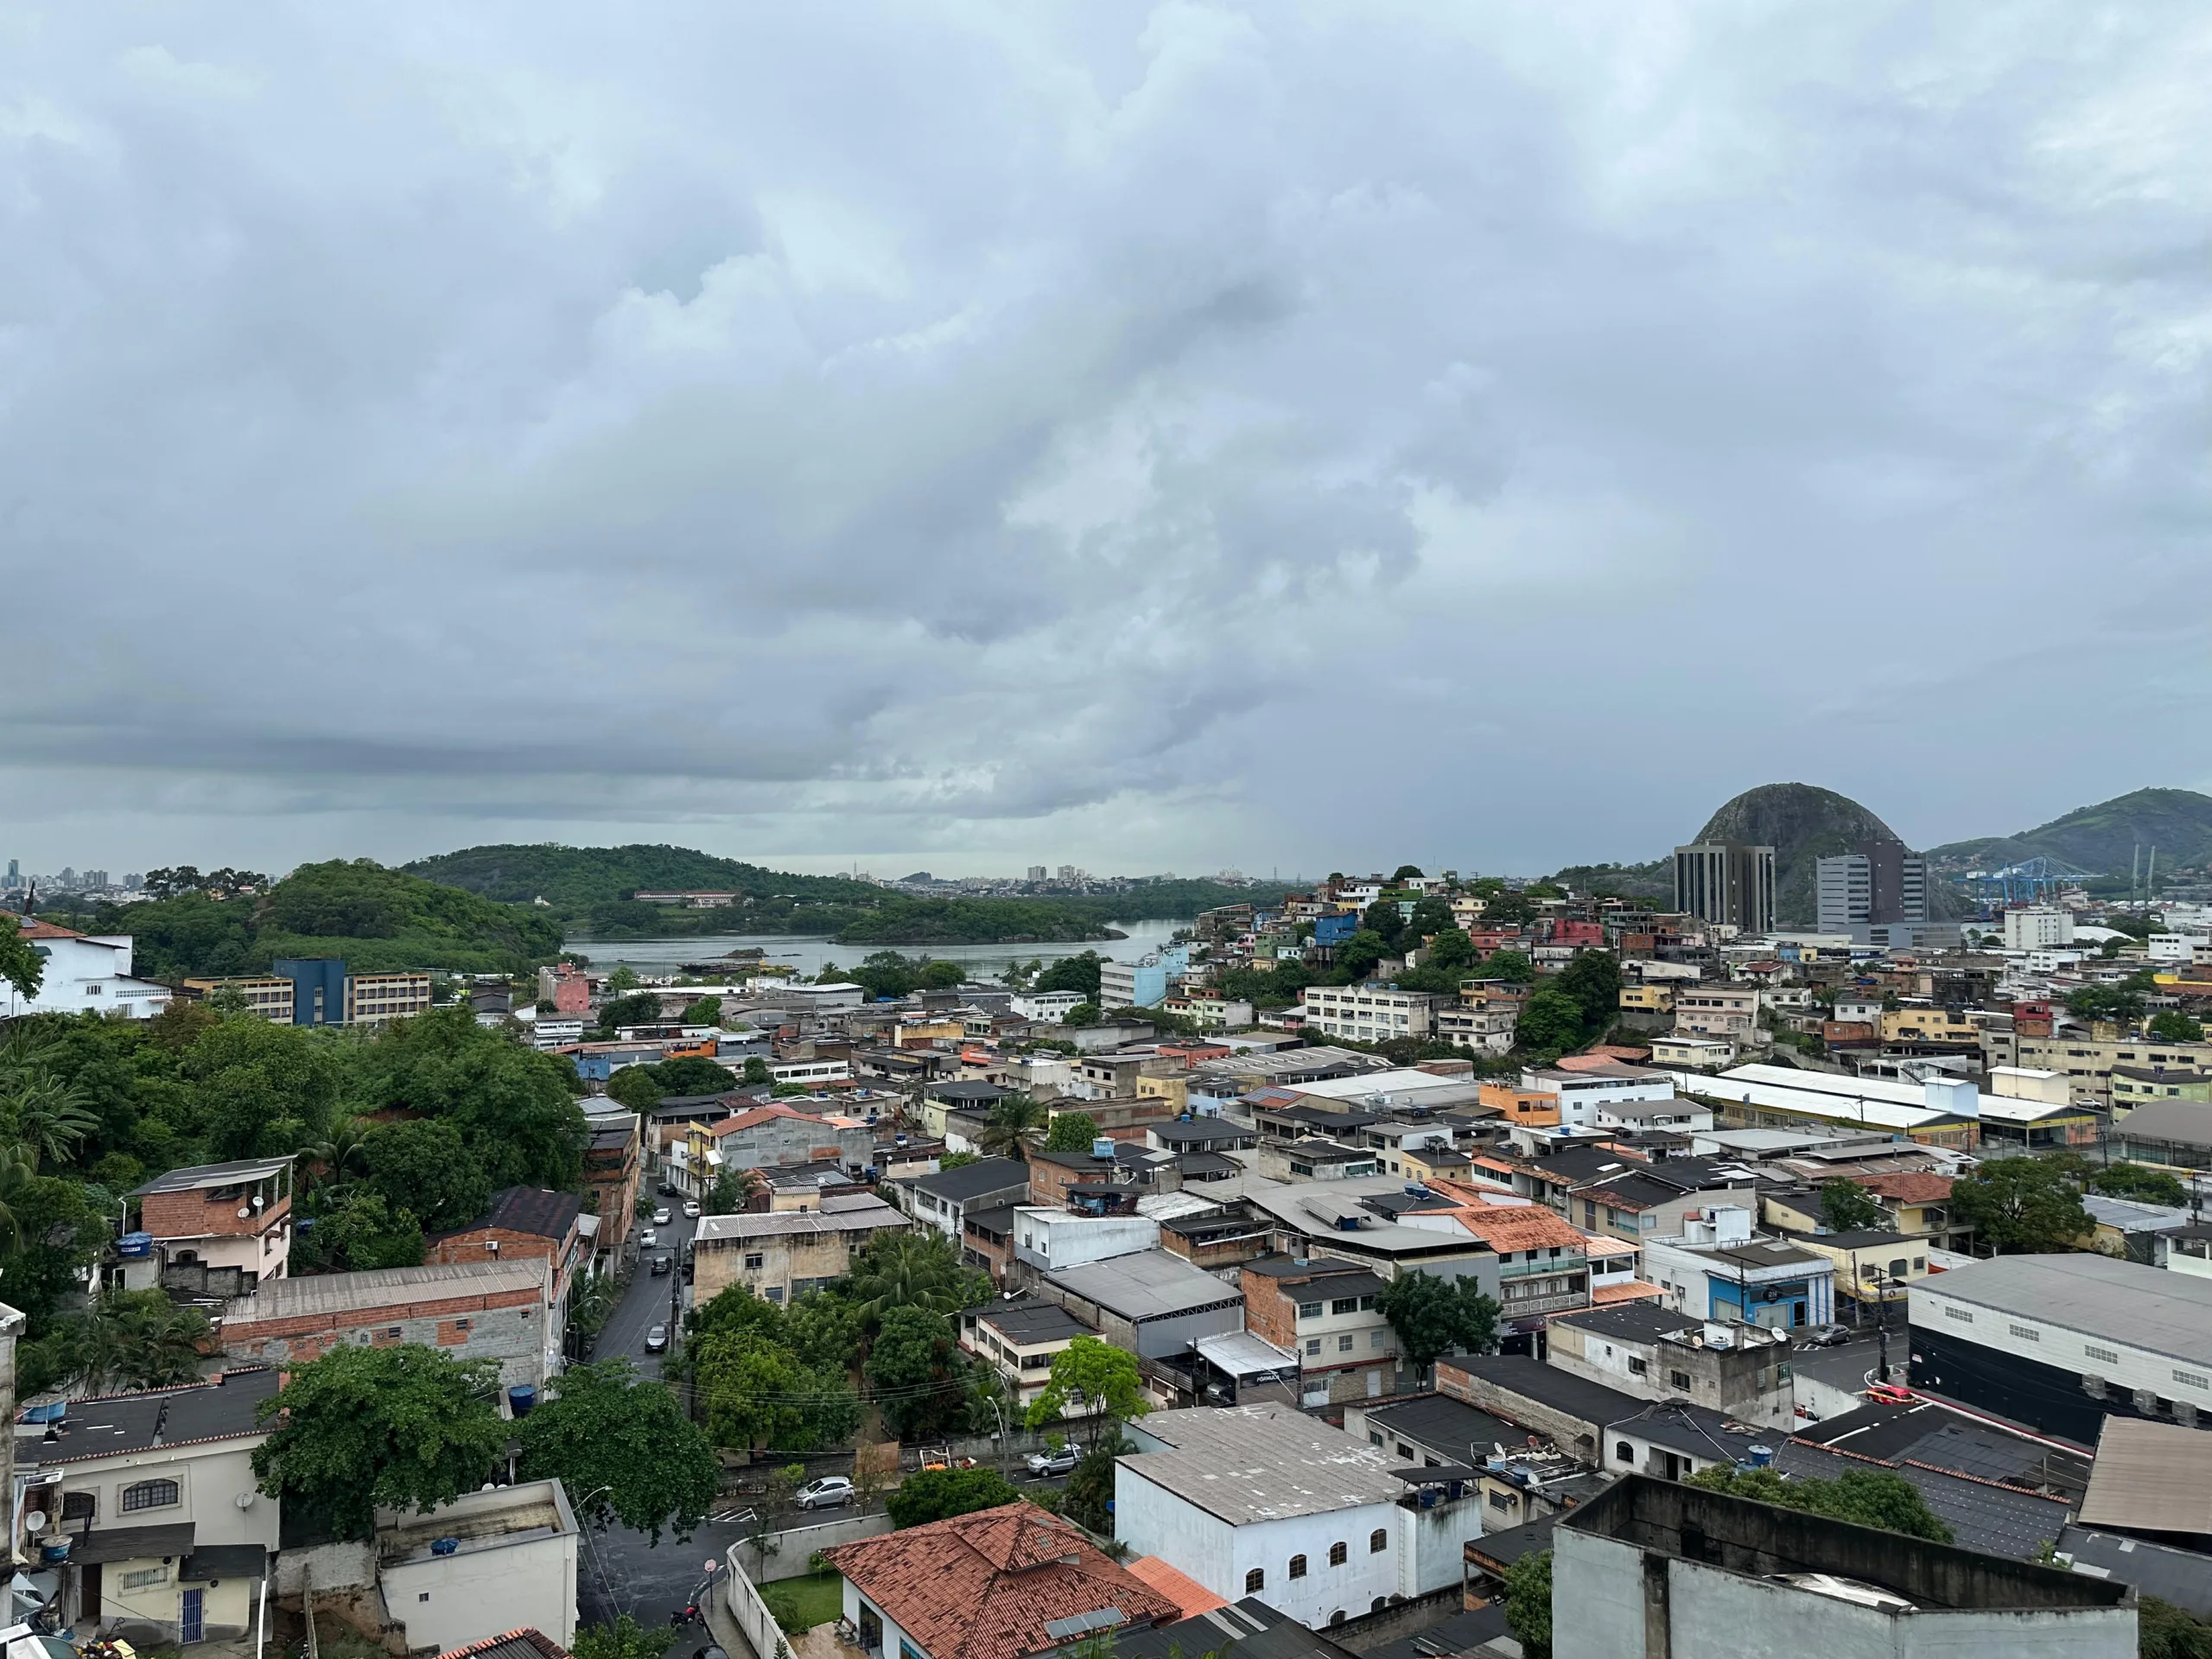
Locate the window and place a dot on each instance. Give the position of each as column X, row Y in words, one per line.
column 1254, row 1581
column 1344, row 1305
column 1309, row 1310
column 2105, row 1354
column 755, row 1260
column 1960, row 1315
column 1377, row 1542
column 2192, row 1378
column 1897, row 1267
column 1625, row 1452
column 1404, row 1451
column 1313, row 1346
column 1298, row 1567
column 1339, row 1554
column 1499, row 1500
column 1344, row 1344
column 1376, row 1339
column 149, row 1495
column 1373, row 1438
column 78, row 1506
column 145, row 1576
column 2028, row 1331
column 1679, row 1381
column 1637, row 1367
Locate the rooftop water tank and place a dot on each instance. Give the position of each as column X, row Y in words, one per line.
column 134, row 1246
column 1103, row 1147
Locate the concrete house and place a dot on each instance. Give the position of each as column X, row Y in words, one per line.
column 155, row 1493
column 781, row 1254
column 210, row 1230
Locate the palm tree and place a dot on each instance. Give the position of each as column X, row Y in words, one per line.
column 134, row 1339
column 1006, row 1132
column 340, row 1156
column 15, row 1168
column 50, row 1117
column 909, row 1270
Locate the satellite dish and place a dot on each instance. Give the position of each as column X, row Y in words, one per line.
column 34, row 1522
column 244, row 1499
column 245, row 1212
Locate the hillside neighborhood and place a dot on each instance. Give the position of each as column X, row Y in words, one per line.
column 1398, row 1264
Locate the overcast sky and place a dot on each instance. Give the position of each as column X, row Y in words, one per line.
column 1297, row 436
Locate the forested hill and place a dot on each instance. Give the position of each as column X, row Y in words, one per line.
column 2104, row 838
column 377, row 919
column 590, row 891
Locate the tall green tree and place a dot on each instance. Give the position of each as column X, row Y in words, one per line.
column 1847, row 1207
column 47, row 1116
column 1077, row 973
column 21, row 965
column 636, row 1087
column 2172, row 1025
column 939, row 1494
column 623, row 1448
column 131, row 1339
column 1095, row 1388
column 402, row 1427
column 1529, row 1604
column 758, row 1395
column 516, row 1109
column 1013, row 1120
column 1551, row 1022
column 2021, row 1206
column 1072, row 1132
column 258, row 1088
column 1516, row 967
column 1433, row 1317
column 913, row 1270
column 422, row 1165
column 915, row 1372
column 1592, row 979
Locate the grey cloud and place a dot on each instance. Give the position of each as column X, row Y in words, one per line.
column 836, row 432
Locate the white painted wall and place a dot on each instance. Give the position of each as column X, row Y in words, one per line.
column 1153, row 1520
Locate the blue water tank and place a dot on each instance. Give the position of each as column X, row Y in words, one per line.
column 133, row 1247
column 521, row 1398
column 444, row 1546
column 53, row 1411
column 1762, row 1456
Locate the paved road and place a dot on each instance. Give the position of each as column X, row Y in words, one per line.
column 621, row 1571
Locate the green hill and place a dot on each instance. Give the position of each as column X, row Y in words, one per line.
column 378, row 919
column 2103, row 838
column 589, row 890
column 1803, row 824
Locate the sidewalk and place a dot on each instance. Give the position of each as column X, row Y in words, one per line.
column 723, row 1628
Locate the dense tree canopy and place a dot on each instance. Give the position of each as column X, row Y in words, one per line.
column 1865, row 1498
column 623, row 1448
column 2021, row 1205
column 939, row 1494
column 1433, row 1316
column 400, row 1426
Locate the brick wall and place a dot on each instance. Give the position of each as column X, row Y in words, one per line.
column 1270, row 1315
column 191, row 1215
column 509, row 1327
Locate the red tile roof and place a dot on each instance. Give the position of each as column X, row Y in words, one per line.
column 1911, row 1186
column 984, row 1585
column 1191, row 1598
column 30, row 928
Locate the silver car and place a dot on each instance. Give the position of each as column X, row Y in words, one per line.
column 830, row 1492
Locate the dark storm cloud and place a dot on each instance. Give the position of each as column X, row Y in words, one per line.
column 1299, row 434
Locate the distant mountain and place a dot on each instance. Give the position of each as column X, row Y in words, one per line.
column 2102, row 838
column 1803, row 824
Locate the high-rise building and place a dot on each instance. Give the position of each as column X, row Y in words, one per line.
column 15, row 874
column 1726, row 883
column 1067, row 872
column 1876, row 883
column 1036, row 872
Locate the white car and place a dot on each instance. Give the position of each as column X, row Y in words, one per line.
column 661, row 1217
column 648, row 1238
column 1054, row 1463
column 830, row 1492
column 691, row 1209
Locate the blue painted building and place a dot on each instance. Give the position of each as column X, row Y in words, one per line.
column 1335, row 930
column 318, row 989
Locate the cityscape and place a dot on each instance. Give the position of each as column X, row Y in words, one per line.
column 1195, row 831
column 1806, row 1190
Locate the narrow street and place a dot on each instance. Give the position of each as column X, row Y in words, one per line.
column 620, row 1571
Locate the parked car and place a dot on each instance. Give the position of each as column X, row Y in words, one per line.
column 830, row 1492
column 662, row 1264
column 1054, row 1463
column 691, row 1208
column 1825, row 1336
column 649, row 1238
column 661, row 1217
column 657, row 1339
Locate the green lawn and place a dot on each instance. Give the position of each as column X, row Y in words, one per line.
column 801, row 1604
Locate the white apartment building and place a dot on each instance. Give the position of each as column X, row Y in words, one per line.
column 84, row 974
column 1727, row 1011
column 1368, row 1013
column 1046, row 1005
column 2036, row 927
column 1487, row 1029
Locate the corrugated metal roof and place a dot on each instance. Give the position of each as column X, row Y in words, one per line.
column 2095, row 1295
column 2150, row 1476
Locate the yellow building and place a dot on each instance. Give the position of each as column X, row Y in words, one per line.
column 1176, row 1091
column 1648, row 999
column 270, row 999
column 1927, row 1025
column 1870, row 1265
column 376, row 998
